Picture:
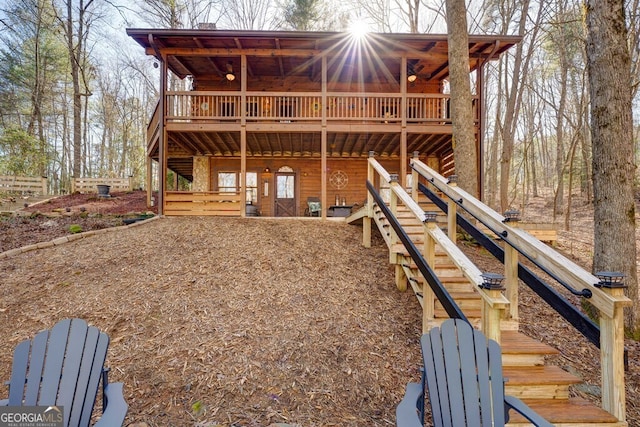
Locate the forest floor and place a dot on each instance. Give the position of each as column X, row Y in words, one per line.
column 249, row 322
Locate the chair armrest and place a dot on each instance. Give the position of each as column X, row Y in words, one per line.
column 116, row 409
column 407, row 411
column 522, row 408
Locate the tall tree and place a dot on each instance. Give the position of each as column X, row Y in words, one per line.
column 464, row 140
column 609, row 67
column 31, row 62
column 75, row 19
column 301, row 15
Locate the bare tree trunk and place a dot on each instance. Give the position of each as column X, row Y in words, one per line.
column 609, row 64
column 77, row 99
column 567, row 217
column 491, row 168
column 464, row 140
column 520, row 72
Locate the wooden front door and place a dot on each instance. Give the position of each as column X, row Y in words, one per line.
column 285, row 200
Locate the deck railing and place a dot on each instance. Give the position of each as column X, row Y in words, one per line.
column 194, row 106
column 203, row 203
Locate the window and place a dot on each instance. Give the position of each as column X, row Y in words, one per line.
column 252, row 188
column 229, row 182
column 285, row 186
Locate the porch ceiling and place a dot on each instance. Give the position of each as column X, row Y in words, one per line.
column 298, row 144
column 184, row 145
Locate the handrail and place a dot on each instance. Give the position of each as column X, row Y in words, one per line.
column 533, row 249
column 610, row 301
column 445, row 299
column 567, row 310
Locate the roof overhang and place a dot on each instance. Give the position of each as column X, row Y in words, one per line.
column 279, row 54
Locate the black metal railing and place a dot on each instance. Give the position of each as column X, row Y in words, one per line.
column 559, row 303
column 450, row 306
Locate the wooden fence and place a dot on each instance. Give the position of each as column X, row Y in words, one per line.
column 90, row 185
column 24, row 184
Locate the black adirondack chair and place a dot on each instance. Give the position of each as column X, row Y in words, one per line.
column 63, row 367
column 463, row 374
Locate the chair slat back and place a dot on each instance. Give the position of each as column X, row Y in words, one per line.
column 463, row 373
column 60, row 367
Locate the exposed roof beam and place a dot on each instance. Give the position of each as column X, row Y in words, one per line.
column 305, row 53
column 210, row 60
column 280, row 63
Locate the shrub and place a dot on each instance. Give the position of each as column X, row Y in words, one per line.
column 75, row 228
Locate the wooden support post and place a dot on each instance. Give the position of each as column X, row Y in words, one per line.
column 414, row 179
column 73, row 184
column 323, row 146
column 45, row 186
column 394, row 257
column 243, row 171
column 163, row 144
column 403, row 121
column 491, row 314
column 401, row 277
column 451, row 220
column 243, row 136
column 612, row 358
column 511, row 280
column 393, row 207
column 428, row 297
column 149, row 181
column 366, row 221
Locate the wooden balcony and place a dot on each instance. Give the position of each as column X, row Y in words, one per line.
column 273, row 112
column 283, row 107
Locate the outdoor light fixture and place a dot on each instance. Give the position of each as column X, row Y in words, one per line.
column 230, row 76
column 411, row 74
column 492, row 281
column 610, row 279
column 511, row 215
column 430, row 216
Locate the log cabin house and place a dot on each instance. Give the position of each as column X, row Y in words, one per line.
column 273, row 120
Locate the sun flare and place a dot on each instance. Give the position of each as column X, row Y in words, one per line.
column 359, row 28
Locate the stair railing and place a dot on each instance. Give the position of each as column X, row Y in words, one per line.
column 494, row 303
column 608, row 300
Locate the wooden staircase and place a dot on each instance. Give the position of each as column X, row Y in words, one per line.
column 544, row 387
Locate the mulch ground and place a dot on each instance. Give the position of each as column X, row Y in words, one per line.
column 45, row 219
column 251, row 322
column 229, row 321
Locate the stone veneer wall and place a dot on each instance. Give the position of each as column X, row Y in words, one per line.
column 201, row 174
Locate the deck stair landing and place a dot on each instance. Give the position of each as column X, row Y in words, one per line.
column 543, row 386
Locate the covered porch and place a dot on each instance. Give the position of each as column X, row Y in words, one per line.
column 274, row 119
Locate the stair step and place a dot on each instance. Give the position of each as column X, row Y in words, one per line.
column 451, row 284
column 567, row 413
column 535, row 382
column 521, row 350
column 439, row 312
column 466, row 300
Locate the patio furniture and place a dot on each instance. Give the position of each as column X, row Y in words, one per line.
column 63, row 367
column 463, row 375
column 314, row 207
